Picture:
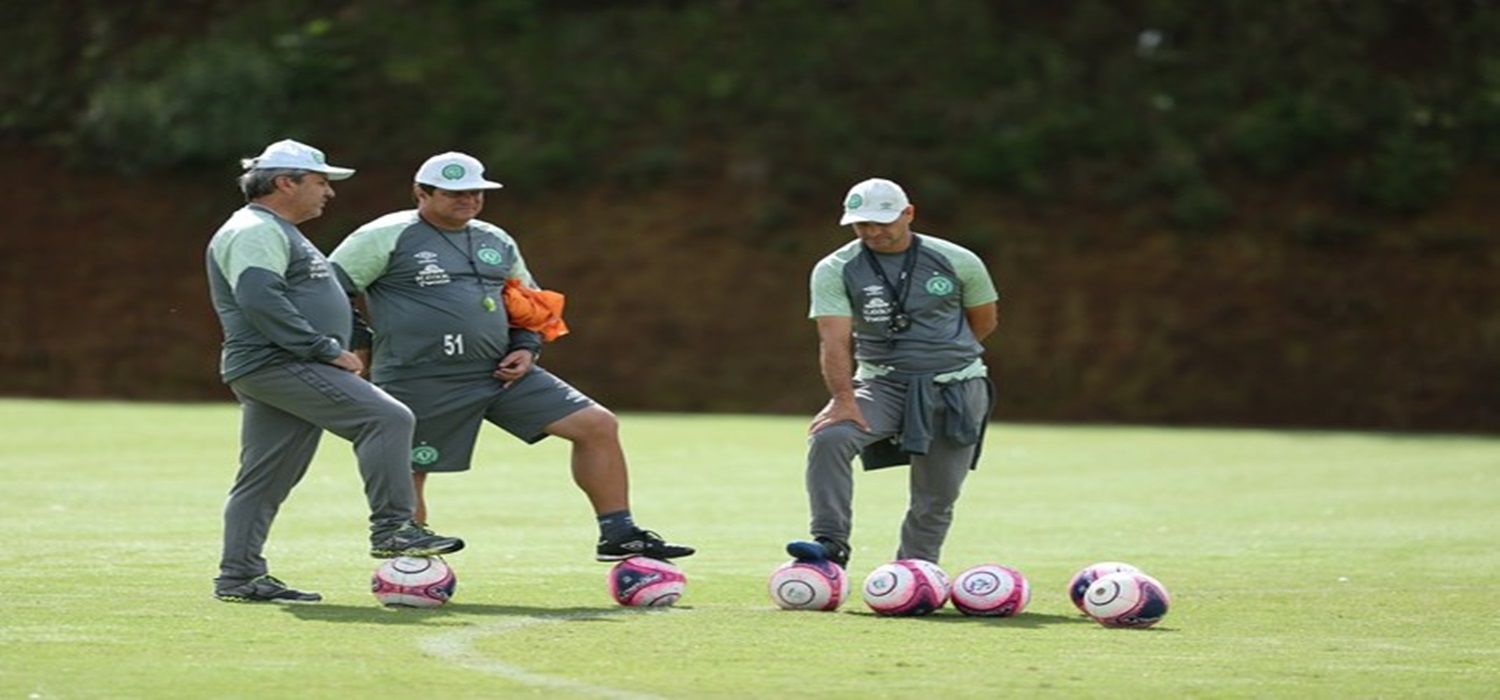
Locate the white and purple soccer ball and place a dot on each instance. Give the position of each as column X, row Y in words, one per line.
column 809, row 585
column 990, row 590
column 1126, row 599
column 646, row 582
column 906, row 588
column 413, row 582
column 1088, row 574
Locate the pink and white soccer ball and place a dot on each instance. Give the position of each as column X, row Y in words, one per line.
column 809, row 585
column 1088, row 574
column 1126, row 599
column 906, row 587
column 413, row 582
column 991, row 590
column 646, row 582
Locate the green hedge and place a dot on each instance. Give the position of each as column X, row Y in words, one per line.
column 1155, row 103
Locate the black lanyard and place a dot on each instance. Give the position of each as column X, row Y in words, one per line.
column 900, row 321
column 467, row 250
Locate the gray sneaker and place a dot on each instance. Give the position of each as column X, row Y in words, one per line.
column 265, row 589
column 414, row 540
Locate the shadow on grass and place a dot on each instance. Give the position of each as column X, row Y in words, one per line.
column 1036, row 621
column 447, row 615
column 1023, row 621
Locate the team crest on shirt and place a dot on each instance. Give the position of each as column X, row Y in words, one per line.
column 425, row 455
column 939, row 286
column 489, row 256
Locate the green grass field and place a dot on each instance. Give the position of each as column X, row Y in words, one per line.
column 1301, row 564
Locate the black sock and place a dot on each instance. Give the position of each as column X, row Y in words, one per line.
column 616, row 525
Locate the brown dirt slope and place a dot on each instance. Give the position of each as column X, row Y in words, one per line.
column 679, row 303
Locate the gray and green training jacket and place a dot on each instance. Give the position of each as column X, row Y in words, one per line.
column 276, row 295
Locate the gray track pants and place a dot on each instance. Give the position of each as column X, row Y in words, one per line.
column 284, row 410
column 934, row 479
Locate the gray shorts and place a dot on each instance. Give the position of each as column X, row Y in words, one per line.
column 450, row 410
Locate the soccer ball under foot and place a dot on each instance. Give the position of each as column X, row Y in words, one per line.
column 646, row 582
column 413, row 582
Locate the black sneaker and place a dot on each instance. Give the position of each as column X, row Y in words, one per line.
column 414, row 540
column 642, row 543
column 265, row 589
column 821, row 549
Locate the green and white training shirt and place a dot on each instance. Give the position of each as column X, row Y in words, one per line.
column 276, row 295
column 434, row 297
column 945, row 279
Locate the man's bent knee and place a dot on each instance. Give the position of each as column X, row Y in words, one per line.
column 392, row 415
column 593, row 422
column 840, row 438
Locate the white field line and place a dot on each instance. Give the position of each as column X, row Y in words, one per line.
column 456, row 647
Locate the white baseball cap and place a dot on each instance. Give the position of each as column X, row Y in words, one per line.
column 875, row 199
column 295, row 155
column 454, row 171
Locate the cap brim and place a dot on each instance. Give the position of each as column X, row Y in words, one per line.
column 334, row 173
column 858, row 216
column 464, row 187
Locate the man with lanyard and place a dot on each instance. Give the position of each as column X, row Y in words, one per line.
column 287, row 355
column 438, row 282
column 900, row 317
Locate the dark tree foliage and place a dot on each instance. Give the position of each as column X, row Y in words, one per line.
column 1161, row 101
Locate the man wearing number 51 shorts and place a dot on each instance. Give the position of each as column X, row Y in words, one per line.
column 440, row 287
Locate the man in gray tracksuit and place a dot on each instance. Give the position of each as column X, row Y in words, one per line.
column 900, row 318
column 288, row 326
